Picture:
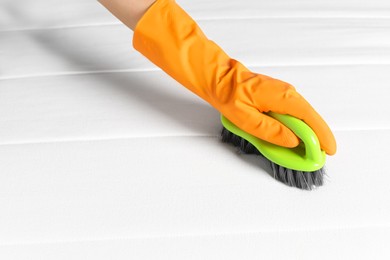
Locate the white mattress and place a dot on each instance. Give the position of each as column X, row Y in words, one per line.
column 103, row 156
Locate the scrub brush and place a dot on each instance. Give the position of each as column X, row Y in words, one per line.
column 301, row 166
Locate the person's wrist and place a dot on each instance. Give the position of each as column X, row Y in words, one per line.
column 128, row 12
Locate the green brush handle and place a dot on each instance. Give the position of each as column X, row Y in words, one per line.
column 304, row 132
column 307, row 156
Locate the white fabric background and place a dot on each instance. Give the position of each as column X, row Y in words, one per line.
column 103, row 156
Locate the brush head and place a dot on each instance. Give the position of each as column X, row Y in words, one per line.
column 306, row 180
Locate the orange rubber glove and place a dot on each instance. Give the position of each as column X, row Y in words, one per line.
column 171, row 39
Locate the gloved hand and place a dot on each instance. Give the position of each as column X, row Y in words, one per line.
column 171, row 39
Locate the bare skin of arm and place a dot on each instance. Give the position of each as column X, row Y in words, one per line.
column 128, row 12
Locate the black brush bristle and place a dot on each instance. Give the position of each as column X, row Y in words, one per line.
column 299, row 179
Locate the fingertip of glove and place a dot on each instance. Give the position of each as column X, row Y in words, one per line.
column 285, row 137
column 279, row 134
column 290, row 140
column 331, row 148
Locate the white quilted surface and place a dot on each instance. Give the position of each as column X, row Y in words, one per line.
column 103, row 156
